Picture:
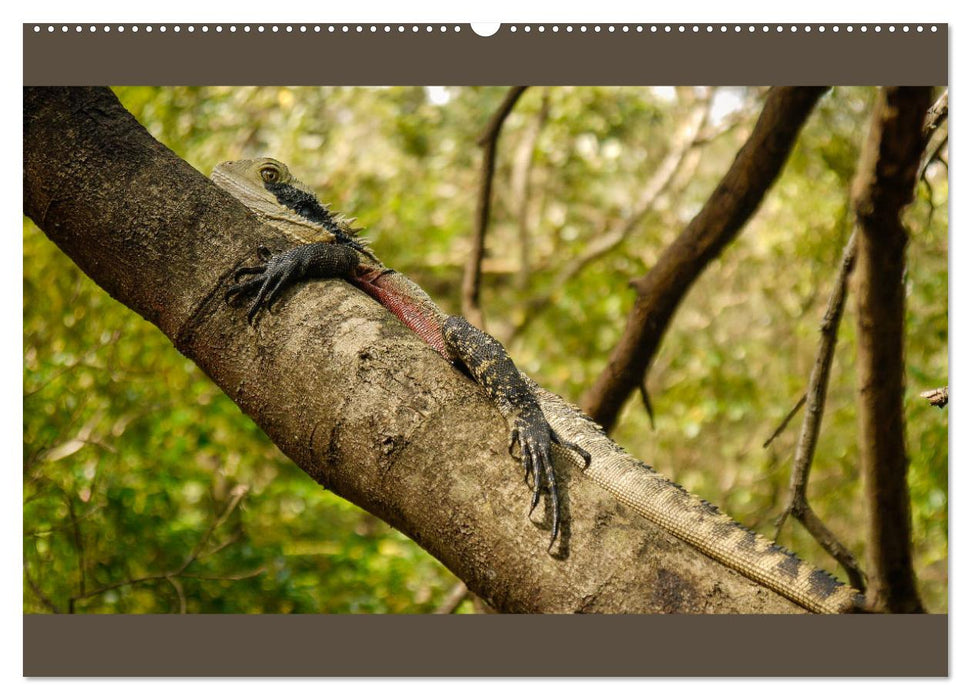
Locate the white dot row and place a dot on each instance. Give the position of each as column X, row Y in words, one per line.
column 414, row 28
column 257, row 28
column 724, row 28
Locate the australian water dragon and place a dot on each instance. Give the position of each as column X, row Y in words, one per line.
column 539, row 421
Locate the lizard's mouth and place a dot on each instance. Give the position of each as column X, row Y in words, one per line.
column 396, row 293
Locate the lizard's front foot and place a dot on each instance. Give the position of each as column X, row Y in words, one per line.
column 279, row 271
column 536, row 439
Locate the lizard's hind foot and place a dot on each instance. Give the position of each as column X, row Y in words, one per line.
column 536, row 439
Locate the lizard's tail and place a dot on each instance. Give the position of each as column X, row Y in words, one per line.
column 696, row 521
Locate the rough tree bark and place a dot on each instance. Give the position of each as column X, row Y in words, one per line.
column 660, row 291
column 353, row 397
column 884, row 185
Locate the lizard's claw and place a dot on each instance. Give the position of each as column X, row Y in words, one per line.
column 584, row 455
column 268, row 280
column 536, row 440
column 280, row 271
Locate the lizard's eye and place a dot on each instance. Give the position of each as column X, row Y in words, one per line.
column 270, row 173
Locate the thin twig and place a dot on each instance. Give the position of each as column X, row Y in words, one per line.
column 225, row 577
column 231, row 540
column 83, row 362
column 237, row 495
column 932, row 122
column 932, row 156
column 935, row 117
column 472, row 280
column 785, row 421
column 177, row 587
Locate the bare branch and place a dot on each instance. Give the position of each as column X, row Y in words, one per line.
column 472, row 279
column 935, row 116
column 734, row 200
column 936, row 397
column 797, row 503
column 785, row 422
column 827, row 540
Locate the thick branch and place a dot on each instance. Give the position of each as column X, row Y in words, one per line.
column 354, row 398
column 472, row 280
column 728, row 209
column 884, row 185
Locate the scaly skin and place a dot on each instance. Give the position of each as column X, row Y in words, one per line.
column 540, row 422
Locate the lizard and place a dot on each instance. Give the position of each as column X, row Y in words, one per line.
column 540, row 422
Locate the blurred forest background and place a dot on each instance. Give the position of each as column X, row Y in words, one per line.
column 147, row 490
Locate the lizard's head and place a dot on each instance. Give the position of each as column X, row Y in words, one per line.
column 266, row 187
column 247, row 181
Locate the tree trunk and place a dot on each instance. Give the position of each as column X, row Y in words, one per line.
column 884, row 185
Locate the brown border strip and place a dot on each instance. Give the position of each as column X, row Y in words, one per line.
column 485, row 645
column 225, row 54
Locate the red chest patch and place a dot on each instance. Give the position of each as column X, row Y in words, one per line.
column 428, row 326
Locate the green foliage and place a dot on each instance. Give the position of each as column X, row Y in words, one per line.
column 131, row 455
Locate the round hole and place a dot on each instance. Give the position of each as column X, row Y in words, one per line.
column 485, row 28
